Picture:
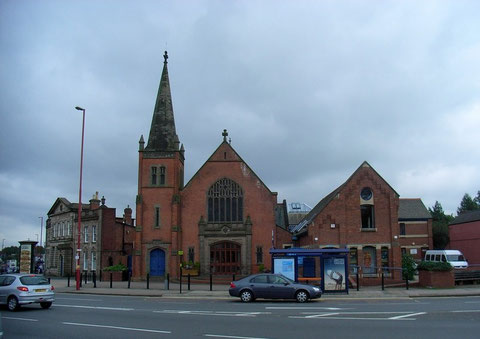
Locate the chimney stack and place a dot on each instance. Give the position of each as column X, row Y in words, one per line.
column 94, row 202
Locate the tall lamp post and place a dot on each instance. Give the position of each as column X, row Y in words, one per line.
column 41, row 229
column 77, row 257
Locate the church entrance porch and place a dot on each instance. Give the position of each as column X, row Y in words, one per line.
column 225, row 258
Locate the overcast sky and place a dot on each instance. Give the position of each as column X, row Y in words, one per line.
column 307, row 90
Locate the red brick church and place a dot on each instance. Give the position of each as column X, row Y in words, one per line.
column 225, row 219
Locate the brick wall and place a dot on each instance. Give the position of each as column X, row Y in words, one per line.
column 466, row 238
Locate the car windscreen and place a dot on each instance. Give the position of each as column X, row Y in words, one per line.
column 455, row 257
column 33, row 280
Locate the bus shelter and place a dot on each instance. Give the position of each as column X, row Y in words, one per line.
column 327, row 268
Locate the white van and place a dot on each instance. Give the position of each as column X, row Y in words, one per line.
column 453, row 257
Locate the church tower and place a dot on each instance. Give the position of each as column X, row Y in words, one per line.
column 160, row 179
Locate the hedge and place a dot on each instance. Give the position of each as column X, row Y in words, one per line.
column 434, row 266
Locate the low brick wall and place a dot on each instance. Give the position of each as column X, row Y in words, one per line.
column 436, row 279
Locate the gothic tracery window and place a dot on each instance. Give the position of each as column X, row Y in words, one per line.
column 225, row 201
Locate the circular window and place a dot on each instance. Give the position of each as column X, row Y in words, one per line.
column 366, row 193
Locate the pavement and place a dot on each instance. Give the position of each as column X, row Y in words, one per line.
column 220, row 291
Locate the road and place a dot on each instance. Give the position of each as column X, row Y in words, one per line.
column 92, row 316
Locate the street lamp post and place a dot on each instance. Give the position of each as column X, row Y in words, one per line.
column 41, row 229
column 77, row 257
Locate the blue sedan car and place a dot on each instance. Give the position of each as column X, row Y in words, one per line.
column 272, row 286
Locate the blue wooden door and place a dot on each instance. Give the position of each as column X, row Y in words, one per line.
column 157, row 263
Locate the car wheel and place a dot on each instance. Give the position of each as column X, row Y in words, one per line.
column 13, row 304
column 301, row 296
column 46, row 304
column 246, row 296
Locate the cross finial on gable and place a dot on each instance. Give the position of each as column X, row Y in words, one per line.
column 225, row 135
column 165, row 56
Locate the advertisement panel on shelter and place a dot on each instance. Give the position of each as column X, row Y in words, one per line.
column 285, row 266
column 25, row 258
column 334, row 274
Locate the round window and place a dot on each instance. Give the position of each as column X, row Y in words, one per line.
column 366, row 193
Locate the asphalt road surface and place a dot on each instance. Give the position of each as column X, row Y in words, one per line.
column 98, row 316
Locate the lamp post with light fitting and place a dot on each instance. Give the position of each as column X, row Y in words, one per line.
column 79, row 228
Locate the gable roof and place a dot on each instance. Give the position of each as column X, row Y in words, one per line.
column 57, row 202
column 224, row 142
column 465, row 217
column 71, row 206
column 325, row 201
column 412, row 209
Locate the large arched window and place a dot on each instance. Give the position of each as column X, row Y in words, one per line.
column 225, row 201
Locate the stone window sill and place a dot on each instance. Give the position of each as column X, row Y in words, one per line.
column 368, row 229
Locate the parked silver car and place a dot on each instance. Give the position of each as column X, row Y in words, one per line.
column 272, row 286
column 23, row 289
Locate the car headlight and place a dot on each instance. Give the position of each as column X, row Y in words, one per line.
column 316, row 289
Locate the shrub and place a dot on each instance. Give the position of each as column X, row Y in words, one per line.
column 408, row 266
column 116, row 268
column 434, row 266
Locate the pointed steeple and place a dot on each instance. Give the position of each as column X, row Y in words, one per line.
column 163, row 136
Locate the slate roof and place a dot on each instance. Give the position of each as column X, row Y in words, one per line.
column 412, row 209
column 465, row 217
column 163, row 136
column 316, row 210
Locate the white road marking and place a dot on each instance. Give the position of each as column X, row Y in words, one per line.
column 366, row 312
column 465, row 311
column 406, row 315
column 96, row 307
column 230, row 336
column 352, row 318
column 304, row 308
column 340, row 315
column 321, row 315
column 214, row 313
column 117, row 327
column 23, row 319
column 57, row 298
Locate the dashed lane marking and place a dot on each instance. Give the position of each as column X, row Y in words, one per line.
column 466, row 311
column 22, row 319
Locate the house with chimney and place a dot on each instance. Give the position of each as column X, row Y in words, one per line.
column 105, row 239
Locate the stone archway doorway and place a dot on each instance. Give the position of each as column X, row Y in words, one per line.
column 225, row 258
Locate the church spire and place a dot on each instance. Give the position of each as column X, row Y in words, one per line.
column 163, row 136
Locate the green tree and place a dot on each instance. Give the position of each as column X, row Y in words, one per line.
column 477, row 199
column 440, row 222
column 11, row 252
column 468, row 203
